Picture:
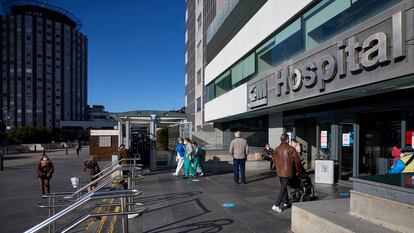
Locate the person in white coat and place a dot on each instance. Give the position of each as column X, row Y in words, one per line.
column 180, row 149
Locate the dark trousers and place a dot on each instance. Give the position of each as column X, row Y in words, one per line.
column 282, row 196
column 239, row 164
column 124, row 182
column 44, row 183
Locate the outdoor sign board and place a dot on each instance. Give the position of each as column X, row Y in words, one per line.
column 366, row 54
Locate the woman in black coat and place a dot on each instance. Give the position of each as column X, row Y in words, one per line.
column 44, row 172
column 267, row 154
column 91, row 169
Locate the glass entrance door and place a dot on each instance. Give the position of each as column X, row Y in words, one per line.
column 346, row 150
column 379, row 131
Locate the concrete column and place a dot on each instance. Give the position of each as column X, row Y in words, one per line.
column 335, row 144
column 219, row 133
column 127, row 134
column 120, row 137
column 275, row 128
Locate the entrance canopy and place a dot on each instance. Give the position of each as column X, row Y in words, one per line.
column 150, row 120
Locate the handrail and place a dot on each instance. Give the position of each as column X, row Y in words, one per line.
column 69, row 195
column 79, row 221
column 115, row 163
column 81, row 201
column 118, row 167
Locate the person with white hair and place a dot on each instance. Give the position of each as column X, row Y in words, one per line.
column 239, row 150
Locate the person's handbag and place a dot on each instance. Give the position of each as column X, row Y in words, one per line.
column 258, row 156
column 203, row 154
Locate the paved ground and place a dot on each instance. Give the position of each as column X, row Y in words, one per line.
column 20, row 192
column 175, row 205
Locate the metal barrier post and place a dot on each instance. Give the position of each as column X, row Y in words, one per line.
column 54, row 211
column 131, row 185
column 66, row 150
column 50, row 212
column 125, row 216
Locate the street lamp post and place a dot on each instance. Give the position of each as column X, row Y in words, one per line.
column 8, row 117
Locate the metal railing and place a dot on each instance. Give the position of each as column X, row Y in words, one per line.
column 115, row 163
column 100, row 184
column 101, row 175
column 122, row 194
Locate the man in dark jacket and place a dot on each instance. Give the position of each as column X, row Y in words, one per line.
column 288, row 167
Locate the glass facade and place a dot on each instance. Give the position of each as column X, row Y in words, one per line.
column 318, row 24
column 358, row 134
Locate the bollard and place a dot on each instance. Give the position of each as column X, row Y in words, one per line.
column 1, row 162
column 66, row 150
column 34, row 148
column 7, row 150
column 125, row 216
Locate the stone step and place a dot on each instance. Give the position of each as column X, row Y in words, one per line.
column 329, row 216
column 227, row 166
column 224, row 156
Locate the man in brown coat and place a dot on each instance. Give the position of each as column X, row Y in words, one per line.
column 288, row 167
column 123, row 153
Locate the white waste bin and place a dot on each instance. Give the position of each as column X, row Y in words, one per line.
column 75, row 182
column 324, row 171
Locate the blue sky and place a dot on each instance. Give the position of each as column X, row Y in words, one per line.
column 136, row 52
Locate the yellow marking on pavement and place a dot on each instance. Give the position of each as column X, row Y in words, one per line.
column 92, row 221
column 113, row 221
column 103, row 220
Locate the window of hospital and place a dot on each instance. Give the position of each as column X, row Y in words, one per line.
column 198, row 104
column 223, row 84
column 329, row 18
column 284, row 45
column 199, row 22
column 198, row 76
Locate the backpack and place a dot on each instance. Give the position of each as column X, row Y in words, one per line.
column 203, row 154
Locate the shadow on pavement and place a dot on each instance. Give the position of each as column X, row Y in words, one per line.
column 211, row 226
column 168, row 197
column 206, row 226
column 260, row 176
column 17, row 157
column 197, row 203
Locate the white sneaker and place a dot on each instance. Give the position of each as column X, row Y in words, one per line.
column 277, row 209
column 202, row 174
column 131, row 216
column 174, row 174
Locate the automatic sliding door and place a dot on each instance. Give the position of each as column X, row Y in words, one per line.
column 346, row 151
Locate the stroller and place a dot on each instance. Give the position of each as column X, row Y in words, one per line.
column 302, row 186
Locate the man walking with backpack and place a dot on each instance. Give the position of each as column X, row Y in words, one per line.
column 198, row 158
